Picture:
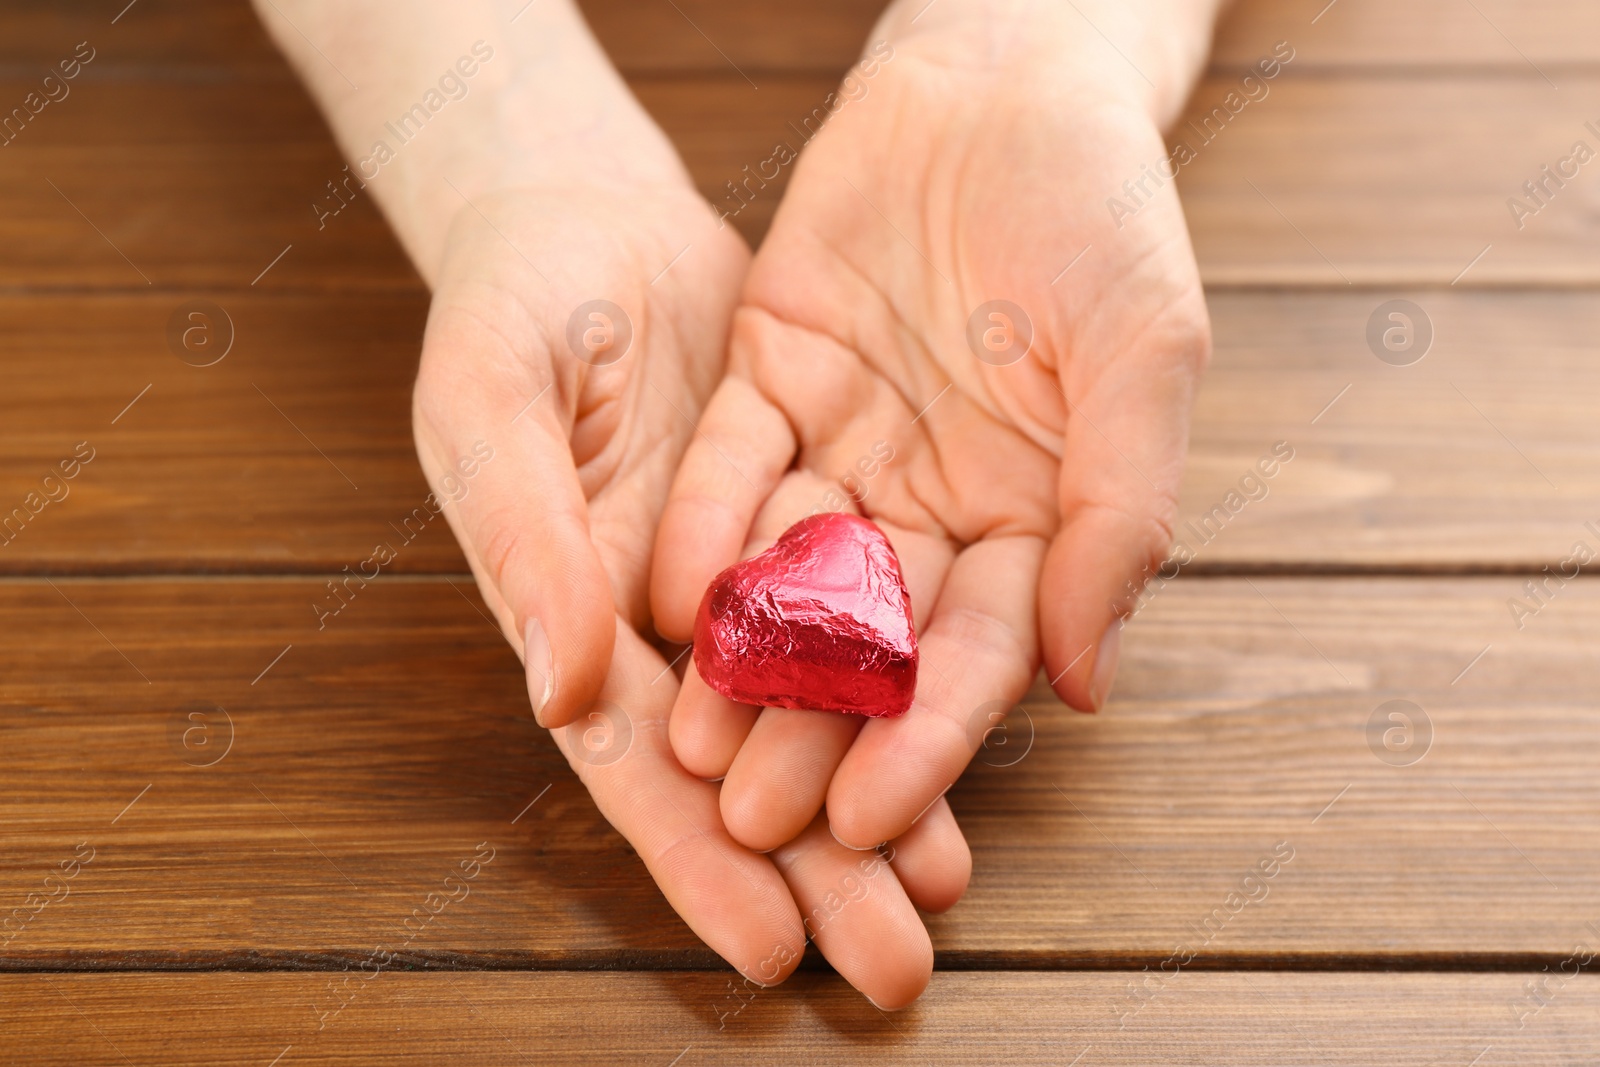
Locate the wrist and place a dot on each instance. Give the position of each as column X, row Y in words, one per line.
column 1146, row 52
column 437, row 106
column 515, row 140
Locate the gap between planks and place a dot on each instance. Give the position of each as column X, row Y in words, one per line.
column 275, row 76
column 1200, row 570
column 249, row 960
column 334, row 291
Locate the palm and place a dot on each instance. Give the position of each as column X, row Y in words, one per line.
column 890, row 239
column 1023, row 490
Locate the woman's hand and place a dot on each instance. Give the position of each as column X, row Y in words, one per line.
column 578, row 330
column 944, row 285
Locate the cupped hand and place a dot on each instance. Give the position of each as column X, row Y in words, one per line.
column 577, row 331
column 551, row 423
column 1023, row 457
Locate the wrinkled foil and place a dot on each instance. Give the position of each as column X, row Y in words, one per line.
column 820, row 620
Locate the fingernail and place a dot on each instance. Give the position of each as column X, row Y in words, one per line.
column 931, row 803
column 848, row 845
column 541, row 668
column 1105, row 664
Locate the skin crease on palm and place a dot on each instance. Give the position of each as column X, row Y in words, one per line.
column 549, row 187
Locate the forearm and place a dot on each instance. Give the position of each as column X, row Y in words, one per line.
column 435, row 104
column 1153, row 50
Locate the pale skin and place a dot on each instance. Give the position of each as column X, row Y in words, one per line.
column 1021, row 502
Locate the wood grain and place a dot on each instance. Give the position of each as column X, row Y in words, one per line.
column 380, row 751
column 756, row 38
column 1004, row 1018
column 1482, row 454
column 152, row 39
column 178, row 39
column 163, row 38
column 1503, row 35
column 293, row 452
column 136, row 186
column 139, row 185
column 721, row 125
column 709, row 37
column 369, row 760
column 1243, row 718
column 1390, row 180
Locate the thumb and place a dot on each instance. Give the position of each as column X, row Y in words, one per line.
column 1120, row 472
column 522, row 519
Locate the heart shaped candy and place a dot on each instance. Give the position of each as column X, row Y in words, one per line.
column 820, row 620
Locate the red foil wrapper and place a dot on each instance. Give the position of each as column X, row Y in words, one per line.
column 820, row 620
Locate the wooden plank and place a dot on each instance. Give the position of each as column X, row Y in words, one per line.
column 292, row 453
column 157, row 37
column 366, row 763
column 720, row 126
column 1510, row 34
column 161, row 38
column 1482, row 454
column 714, row 36
column 129, row 186
column 1243, row 717
column 136, row 185
column 1407, row 467
column 379, row 752
column 1389, row 180
column 706, row 36
column 1003, row 1018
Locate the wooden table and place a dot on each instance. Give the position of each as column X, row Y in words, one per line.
column 225, row 817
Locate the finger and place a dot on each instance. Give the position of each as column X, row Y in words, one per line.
column 932, row 859
column 733, row 899
column 1119, row 489
column 772, row 791
column 925, row 562
column 780, row 777
column 707, row 728
column 980, row 646
column 859, row 915
column 520, row 507
column 738, row 455
column 799, row 494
